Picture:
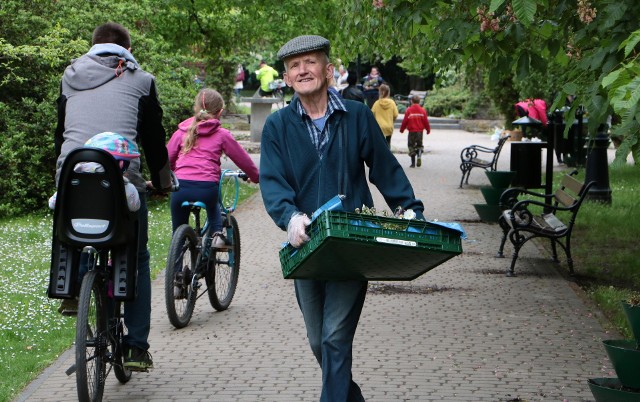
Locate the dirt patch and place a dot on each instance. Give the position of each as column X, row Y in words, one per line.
column 481, row 125
column 394, row 289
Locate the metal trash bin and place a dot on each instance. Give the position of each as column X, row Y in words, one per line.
column 526, row 161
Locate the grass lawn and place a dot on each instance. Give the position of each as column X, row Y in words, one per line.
column 32, row 332
column 605, row 246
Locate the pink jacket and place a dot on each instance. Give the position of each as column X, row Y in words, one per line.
column 202, row 162
column 537, row 109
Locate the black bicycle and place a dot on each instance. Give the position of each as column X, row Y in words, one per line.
column 95, row 237
column 192, row 257
column 99, row 330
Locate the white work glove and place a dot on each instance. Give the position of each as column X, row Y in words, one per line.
column 297, row 230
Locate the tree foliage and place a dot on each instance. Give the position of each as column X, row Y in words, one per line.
column 579, row 43
column 171, row 39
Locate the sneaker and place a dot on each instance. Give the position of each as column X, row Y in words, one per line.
column 136, row 359
column 419, row 162
column 68, row 307
column 412, row 166
column 219, row 240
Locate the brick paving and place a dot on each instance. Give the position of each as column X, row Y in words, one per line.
column 462, row 332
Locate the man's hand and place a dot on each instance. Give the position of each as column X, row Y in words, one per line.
column 297, row 230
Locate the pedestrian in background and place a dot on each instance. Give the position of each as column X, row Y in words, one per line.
column 239, row 84
column 352, row 91
column 266, row 75
column 416, row 121
column 370, row 84
column 385, row 111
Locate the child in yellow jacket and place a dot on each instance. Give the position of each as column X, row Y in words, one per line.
column 385, row 111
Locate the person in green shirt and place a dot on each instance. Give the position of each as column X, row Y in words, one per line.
column 266, row 74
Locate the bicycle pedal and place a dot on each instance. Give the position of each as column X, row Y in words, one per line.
column 223, row 247
column 71, row 370
column 138, row 370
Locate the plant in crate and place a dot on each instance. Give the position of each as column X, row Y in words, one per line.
column 400, row 213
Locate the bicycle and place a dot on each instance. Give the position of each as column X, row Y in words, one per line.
column 191, row 257
column 99, row 330
column 94, row 228
column 278, row 87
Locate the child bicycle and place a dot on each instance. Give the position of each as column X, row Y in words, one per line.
column 93, row 228
column 192, row 257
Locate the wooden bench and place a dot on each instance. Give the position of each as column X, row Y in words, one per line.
column 471, row 157
column 526, row 215
column 406, row 99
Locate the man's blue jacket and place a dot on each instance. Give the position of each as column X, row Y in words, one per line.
column 294, row 178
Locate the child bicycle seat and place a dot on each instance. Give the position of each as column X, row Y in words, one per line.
column 91, row 210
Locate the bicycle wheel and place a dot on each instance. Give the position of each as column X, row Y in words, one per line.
column 180, row 297
column 123, row 374
column 228, row 191
column 91, row 338
column 222, row 278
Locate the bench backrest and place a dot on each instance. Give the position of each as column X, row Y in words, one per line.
column 497, row 150
column 421, row 94
column 571, row 193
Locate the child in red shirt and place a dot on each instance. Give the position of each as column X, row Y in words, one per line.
column 415, row 120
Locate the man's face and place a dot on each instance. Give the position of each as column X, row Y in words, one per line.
column 308, row 73
column 374, row 71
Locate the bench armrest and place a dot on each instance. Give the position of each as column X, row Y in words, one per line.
column 481, row 148
column 470, row 153
column 510, row 196
column 522, row 217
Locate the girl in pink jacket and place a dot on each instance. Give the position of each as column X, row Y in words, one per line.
column 195, row 151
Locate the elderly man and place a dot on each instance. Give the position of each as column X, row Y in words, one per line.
column 313, row 149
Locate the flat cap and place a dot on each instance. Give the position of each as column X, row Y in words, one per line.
column 304, row 44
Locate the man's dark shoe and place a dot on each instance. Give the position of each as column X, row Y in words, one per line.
column 136, row 359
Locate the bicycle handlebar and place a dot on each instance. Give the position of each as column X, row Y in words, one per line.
column 175, row 183
column 239, row 173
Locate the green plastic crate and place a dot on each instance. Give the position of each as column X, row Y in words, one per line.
column 347, row 246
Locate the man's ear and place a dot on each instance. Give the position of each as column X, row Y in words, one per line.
column 287, row 81
column 330, row 70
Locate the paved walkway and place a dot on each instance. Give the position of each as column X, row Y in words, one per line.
column 462, row 332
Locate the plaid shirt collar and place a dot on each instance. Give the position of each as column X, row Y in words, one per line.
column 321, row 138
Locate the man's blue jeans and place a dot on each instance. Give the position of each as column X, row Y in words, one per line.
column 137, row 313
column 331, row 310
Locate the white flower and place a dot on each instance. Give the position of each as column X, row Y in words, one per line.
column 409, row 214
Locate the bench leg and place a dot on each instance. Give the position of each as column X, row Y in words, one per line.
column 465, row 172
column 554, row 251
column 567, row 251
column 505, row 231
column 518, row 241
column 511, row 271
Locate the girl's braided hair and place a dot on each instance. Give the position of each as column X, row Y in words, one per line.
column 207, row 105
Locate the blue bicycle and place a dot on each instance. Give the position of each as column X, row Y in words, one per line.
column 192, row 257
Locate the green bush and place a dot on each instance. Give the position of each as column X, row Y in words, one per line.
column 27, row 159
column 445, row 102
